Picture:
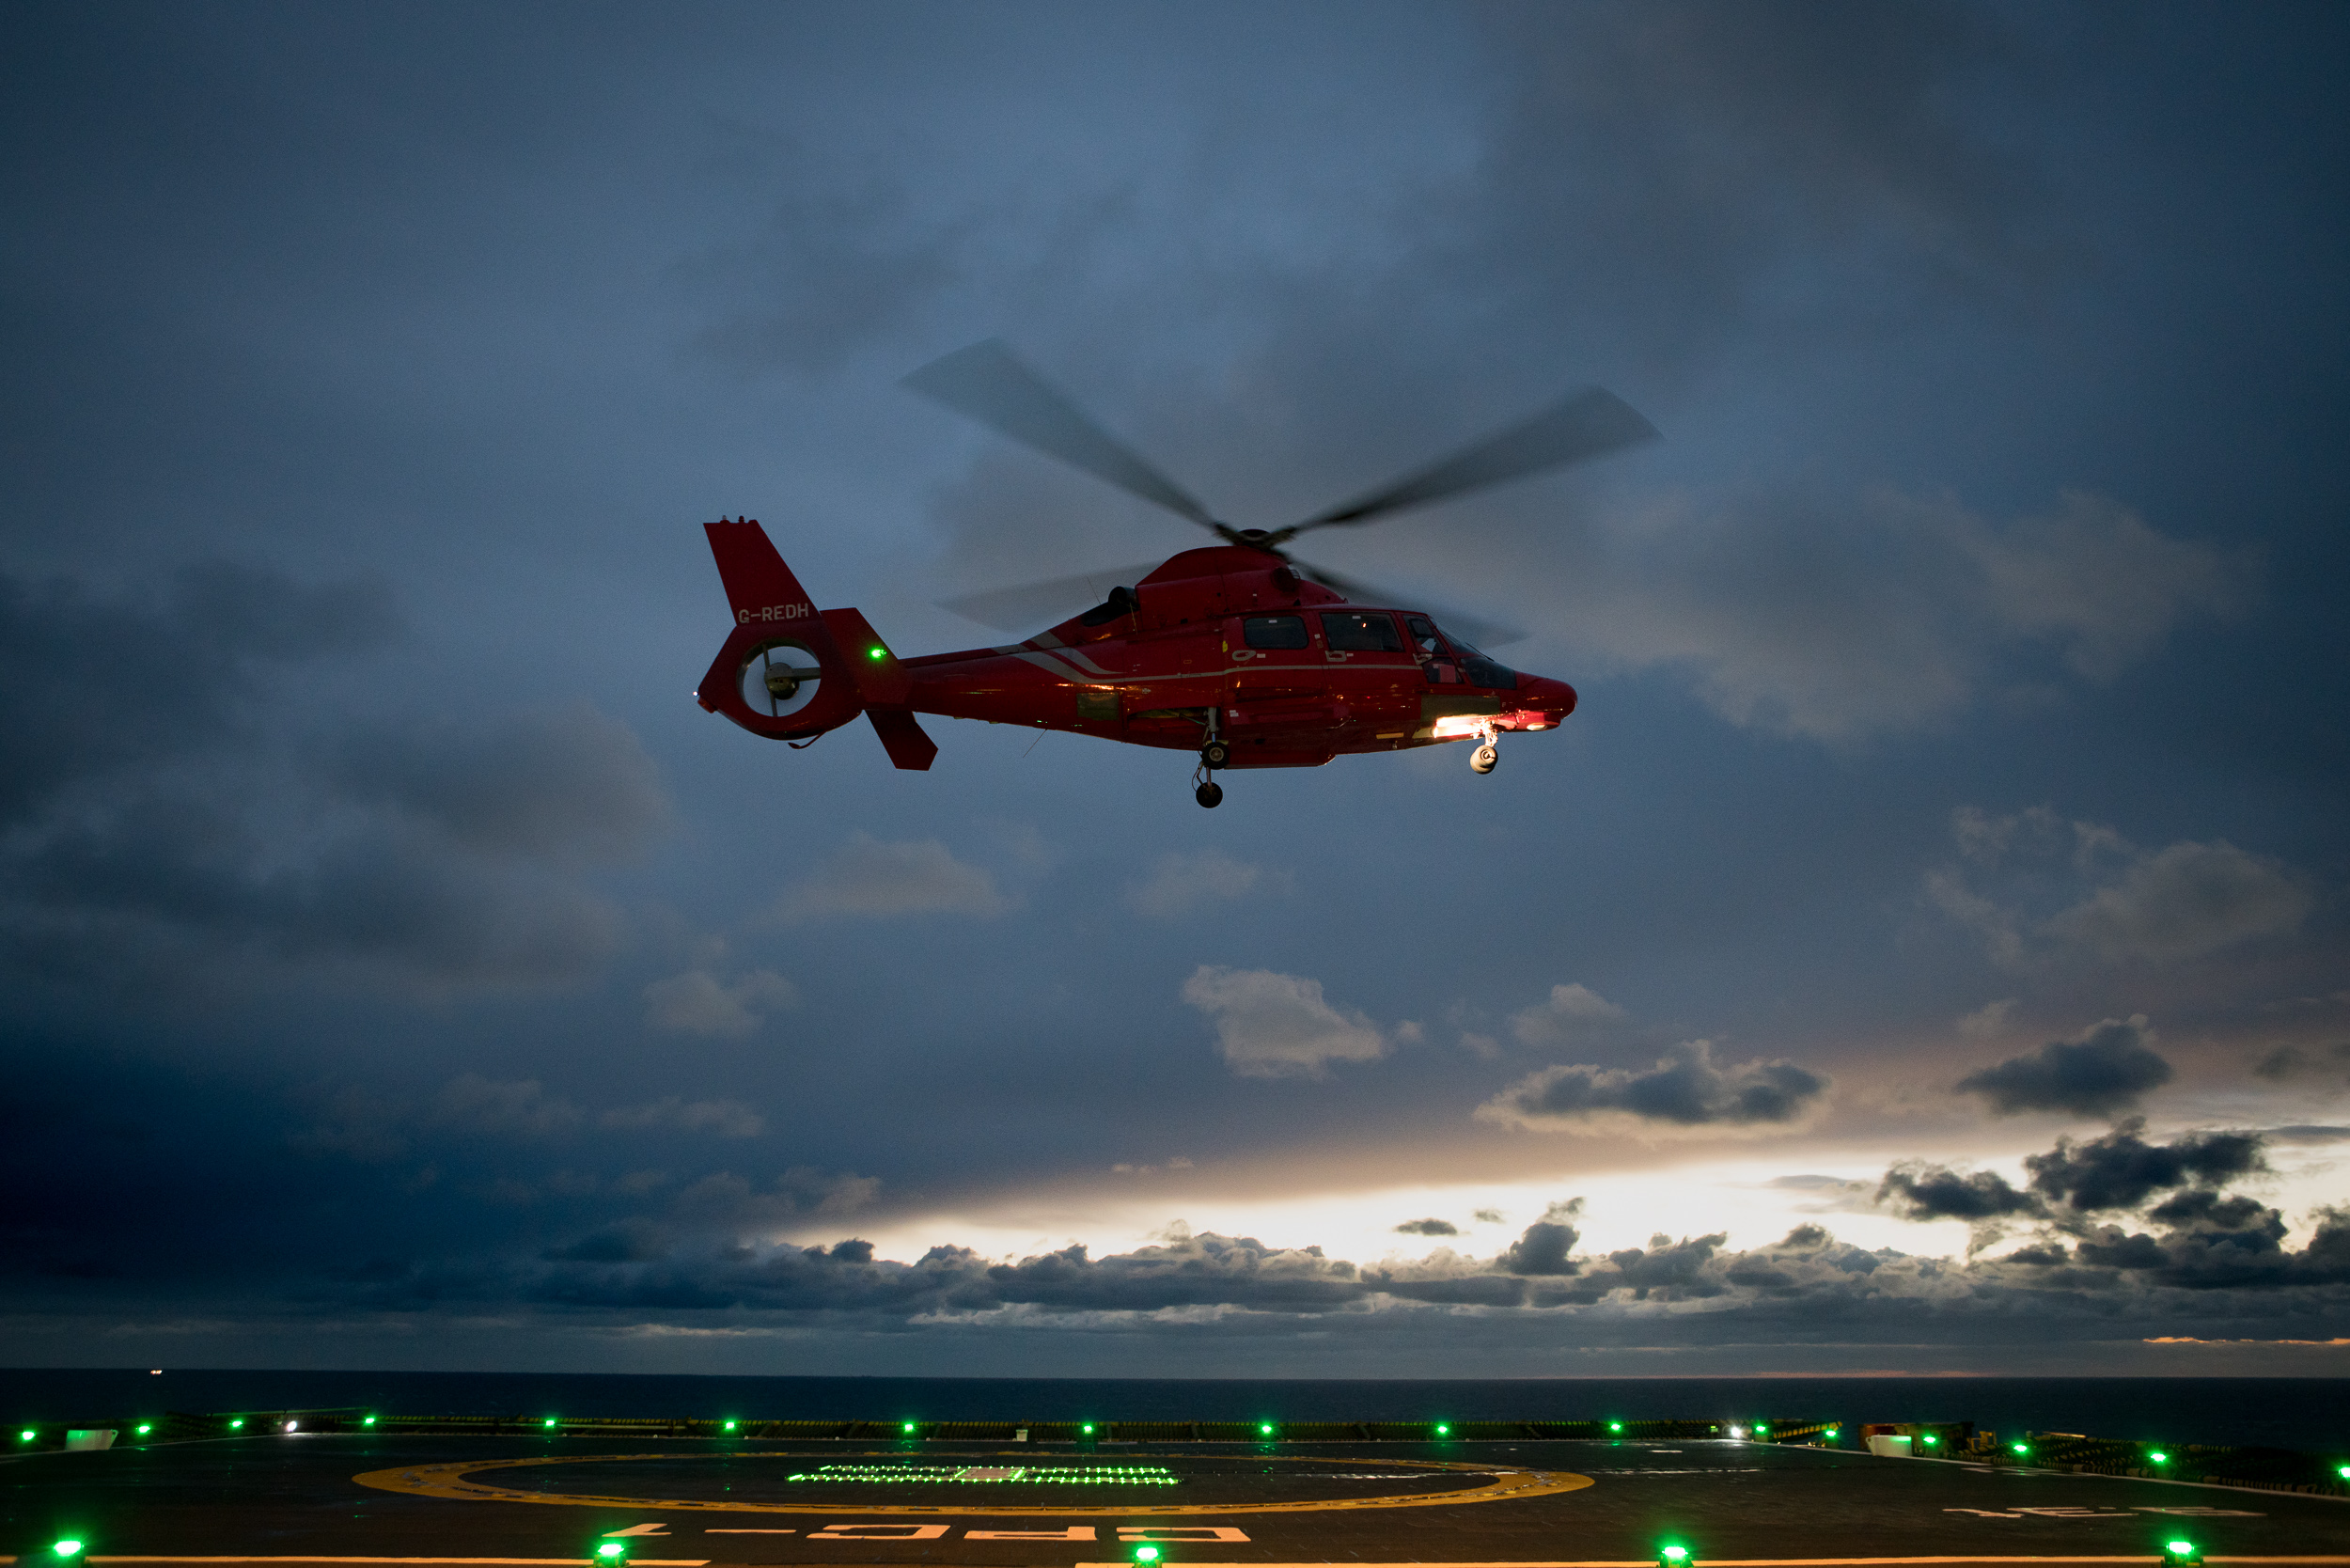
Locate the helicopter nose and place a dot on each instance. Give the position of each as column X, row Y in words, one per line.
column 1554, row 699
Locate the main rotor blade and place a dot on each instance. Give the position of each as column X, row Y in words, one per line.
column 1485, row 634
column 1033, row 606
column 987, row 382
column 1583, row 425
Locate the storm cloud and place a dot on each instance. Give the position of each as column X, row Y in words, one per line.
column 1686, row 1088
column 2109, row 1069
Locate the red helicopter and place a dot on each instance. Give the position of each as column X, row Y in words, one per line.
column 1233, row 651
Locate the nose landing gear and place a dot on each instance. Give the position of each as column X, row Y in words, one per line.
column 1488, row 752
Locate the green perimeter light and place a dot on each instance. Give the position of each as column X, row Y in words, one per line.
column 612, row 1551
column 1615, row 1426
column 1145, row 1554
column 146, row 1427
column 2021, row 1448
column 1832, row 1430
column 1442, row 1431
column 909, row 1427
column 1672, row 1556
column 1932, row 1439
column 1086, row 1429
column 68, row 1549
column 549, row 1421
column 367, row 1421
column 237, row 1425
column 2182, row 1553
column 26, row 1435
column 1264, row 1429
column 728, row 1427
column 2158, row 1456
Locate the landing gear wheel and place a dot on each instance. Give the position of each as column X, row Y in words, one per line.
column 1484, row 756
column 1210, row 794
column 1215, row 754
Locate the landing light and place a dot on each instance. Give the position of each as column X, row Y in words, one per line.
column 1737, row 1431
column 293, row 1426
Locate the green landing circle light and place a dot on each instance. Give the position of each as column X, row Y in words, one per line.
column 368, row 1420
column 145, row 1428
column 1145, row 1554
column 1086, row 1429
column 1932, row 1439
column 68, row 1547
column 1264, row 1429
column 1442, row 1431
column 548, row 1423
column 1615, row 1426
column 611, row 1551
column 2159, row 1457
column 909, row 1427
column 237, row 1425
column 26, row 1435
column 2021, row 1448
column 1676, row 1555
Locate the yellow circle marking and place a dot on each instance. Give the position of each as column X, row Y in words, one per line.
column 449, row 1481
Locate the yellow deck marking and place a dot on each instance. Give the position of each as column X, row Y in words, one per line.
column 448, row 1480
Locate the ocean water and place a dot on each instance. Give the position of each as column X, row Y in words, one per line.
column 2309, row 1413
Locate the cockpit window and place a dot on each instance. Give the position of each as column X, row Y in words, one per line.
column 1482, row 671
column 1424, row 634
column 1360, row 632
column 1274, row 630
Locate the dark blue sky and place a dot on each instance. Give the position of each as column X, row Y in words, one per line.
column 1925, row 950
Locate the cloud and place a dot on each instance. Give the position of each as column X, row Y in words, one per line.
column 2284, row 1064
column 471, row 1102
column 2186, row 902
column 1272, row 1026
column 1834, row 616
column 871, row 879
column 1545, row 1248
column 1181, row 883
column 1988, row 1022
column 1428, row 1228
column 568, row 785
column 1921, row 1191
column 1571, row 1013
column 1685, row 1090
column 697, row 1003
column 2119, row 904
column 2121, row 1170
column 719, row 1117
column 2106, row 1070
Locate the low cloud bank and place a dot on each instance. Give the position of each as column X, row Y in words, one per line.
column 1685, row 1090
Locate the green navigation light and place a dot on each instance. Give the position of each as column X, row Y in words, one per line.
column 1145, row 1554
column 873, row 653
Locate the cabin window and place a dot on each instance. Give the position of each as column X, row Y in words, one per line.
column 1360, row 632
column 1274, row 630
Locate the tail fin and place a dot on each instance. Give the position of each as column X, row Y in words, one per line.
column 781, row 674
